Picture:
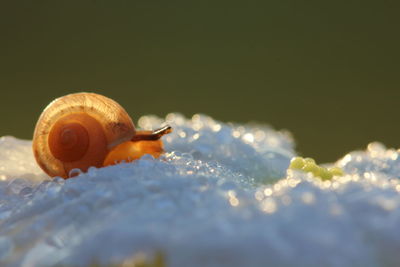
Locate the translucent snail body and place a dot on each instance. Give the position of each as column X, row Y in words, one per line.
column 86, row 129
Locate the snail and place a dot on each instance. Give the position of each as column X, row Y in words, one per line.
column 81, row 130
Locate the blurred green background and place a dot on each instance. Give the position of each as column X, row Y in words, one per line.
column 328, row 71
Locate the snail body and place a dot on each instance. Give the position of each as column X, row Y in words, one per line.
column 81, row 130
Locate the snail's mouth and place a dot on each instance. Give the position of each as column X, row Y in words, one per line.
column 132, row 150
column 144, row 142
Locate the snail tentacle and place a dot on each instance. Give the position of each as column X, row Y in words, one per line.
column 152, row 135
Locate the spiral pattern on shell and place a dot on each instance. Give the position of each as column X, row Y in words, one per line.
column 77, row 131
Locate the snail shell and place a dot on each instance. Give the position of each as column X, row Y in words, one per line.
column 78, row 131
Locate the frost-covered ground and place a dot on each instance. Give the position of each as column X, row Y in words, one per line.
column 222, row 196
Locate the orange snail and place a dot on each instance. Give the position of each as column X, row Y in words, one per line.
column 81, row 130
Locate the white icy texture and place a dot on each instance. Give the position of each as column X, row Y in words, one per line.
column 215, row 200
